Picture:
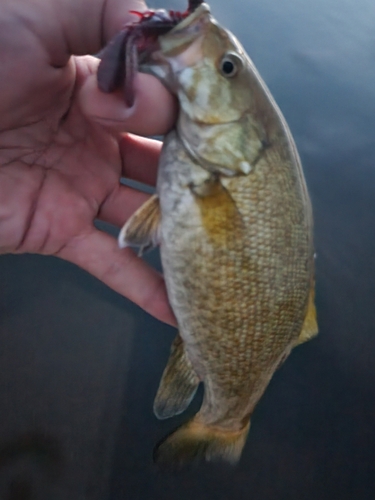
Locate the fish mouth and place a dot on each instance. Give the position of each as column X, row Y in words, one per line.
column 179, row 48
column 186, row 32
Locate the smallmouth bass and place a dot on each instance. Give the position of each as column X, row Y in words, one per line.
column 233, row 219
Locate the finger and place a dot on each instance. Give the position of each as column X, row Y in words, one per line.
column 153, row 113
column 121, row 270
column 140, row 158
column 121, row 204
column 84, row 26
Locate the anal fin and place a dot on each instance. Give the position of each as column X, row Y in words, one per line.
column 178, row 383
column 141, row 230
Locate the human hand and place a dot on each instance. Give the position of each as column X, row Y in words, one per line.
column 59, row 168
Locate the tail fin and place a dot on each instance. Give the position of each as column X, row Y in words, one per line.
column 195, row 441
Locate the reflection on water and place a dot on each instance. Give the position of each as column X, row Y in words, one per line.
column 21, row 455
column 84, row 363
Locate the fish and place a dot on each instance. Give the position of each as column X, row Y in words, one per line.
column 233, row 220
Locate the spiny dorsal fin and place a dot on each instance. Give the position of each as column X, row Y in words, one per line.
column 141, row 230
column 178, row 383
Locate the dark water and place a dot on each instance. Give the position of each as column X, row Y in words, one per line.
column 79, row 365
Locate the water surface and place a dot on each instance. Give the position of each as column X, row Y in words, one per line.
column 79, row 365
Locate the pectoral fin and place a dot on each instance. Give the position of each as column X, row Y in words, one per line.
column 141, row 230
column 310, row 325
column 178, row 384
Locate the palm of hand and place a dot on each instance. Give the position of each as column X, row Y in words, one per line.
column 59, row 183
column 60, row 170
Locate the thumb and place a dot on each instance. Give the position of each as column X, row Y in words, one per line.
column 153, row 112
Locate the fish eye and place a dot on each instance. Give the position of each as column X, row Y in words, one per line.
column 230, row 65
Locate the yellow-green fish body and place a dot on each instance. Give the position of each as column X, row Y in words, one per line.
column 233, row 219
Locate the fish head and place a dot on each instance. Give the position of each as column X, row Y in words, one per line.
column 205, row 66
column 222, row 98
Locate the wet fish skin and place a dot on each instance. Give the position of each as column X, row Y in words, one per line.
column 233, row 219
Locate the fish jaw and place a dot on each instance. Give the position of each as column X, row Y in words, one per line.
column 171, row 57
